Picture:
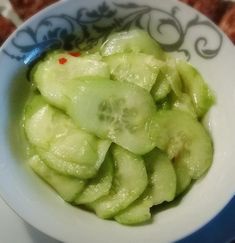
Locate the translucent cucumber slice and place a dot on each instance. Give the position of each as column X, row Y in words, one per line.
column 182, row 176
column 173, row 77
column 195, row 86
column 51, row 74
column 161, row 87
column 138, row 212
column 35, row 109
column 138, row 68
column 65, row 167
column 113, row 110
column 168, row 80
column 161, row 176
column 161, row 187
column 130, row 180
column 98, row 186
column 64, row 147
column 67, row 187
column 184, row 139
column 132, row 41
column 184, row 103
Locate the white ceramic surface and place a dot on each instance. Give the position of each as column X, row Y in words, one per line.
column 41, row 207
column 14, row 229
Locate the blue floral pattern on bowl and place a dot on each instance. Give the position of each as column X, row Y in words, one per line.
column 88, row 26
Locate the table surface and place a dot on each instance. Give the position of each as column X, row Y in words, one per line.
column 12, row 227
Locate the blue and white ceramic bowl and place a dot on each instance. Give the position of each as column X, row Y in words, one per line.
column 178, row 29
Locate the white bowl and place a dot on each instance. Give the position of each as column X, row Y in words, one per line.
column 178, row 28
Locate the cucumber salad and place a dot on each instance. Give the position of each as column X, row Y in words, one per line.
column 117, row 129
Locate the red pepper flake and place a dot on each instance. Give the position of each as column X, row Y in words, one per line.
column 75, row 54
column 62, row 60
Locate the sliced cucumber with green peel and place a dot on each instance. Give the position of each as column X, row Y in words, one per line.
column 118, row 111
column 63, row 147
column 161, row 187
column 65, row 167
column 35, row 111
column 138, row 68
column 184, row 103
column 161, row 88
column 98, row 186
column 168, row 80
column 183, row 177
column 173, row 77
column 132, row 41
column 129, row 182
column 138, row 212
column 50, row 75
column 184, row 139
column 195, row 86
column 67, row 187
column 162, row 176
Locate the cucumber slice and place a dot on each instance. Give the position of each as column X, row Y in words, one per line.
column 113, row 110
column 35, row 109
column 67, row 187
column 161, row 88
column 184, row 103
column 137, row 68
column 132, row 41
column 184, row 139
column 138, row 212
column 161, row 187
column 162, row 176
column 98, row 186
column 195, row 86
column 130, row 180
column 167, row 80
column 50, row 76
column 62, row 145
column 173, row 77
column 183, row 177
column 81, row 171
